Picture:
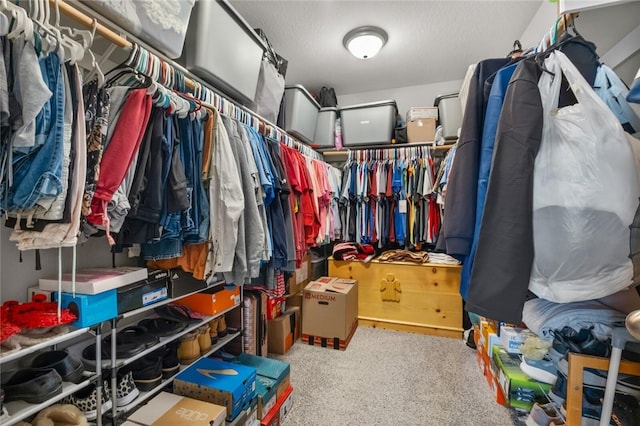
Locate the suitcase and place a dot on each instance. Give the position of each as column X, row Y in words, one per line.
column 254, row 336
column 368, row 124
column 449, row 114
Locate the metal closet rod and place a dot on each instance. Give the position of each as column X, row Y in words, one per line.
column 122, row 42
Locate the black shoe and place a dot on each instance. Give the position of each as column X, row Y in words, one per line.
column 471, row 339
column 162, row 327
column 124, row 350
column 33, row 385
column 170, row 361
column 137, row 334
column 69, row 368
column 147, row 372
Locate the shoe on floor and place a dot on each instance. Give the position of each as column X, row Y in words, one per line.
column 69, row 368
column 545, row 415
column 60, row 415
column 541, row 370
column 189, row 349
column 86, row 399
column 33, row 385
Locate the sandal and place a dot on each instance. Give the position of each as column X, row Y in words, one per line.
column 178, row 313
column 162, row 327
column 137, row 334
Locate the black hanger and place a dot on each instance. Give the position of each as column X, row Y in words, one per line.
column 517, row 48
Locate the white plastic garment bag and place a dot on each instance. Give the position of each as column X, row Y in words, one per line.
column 585, row 194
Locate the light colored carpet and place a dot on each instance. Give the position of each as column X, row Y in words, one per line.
column 390, row 378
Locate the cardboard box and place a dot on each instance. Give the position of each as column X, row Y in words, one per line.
column 223, row 383
column 296, row 311
column 214, row 301
column 494, row 339
column 330, row 312
column 520, row 391
column 181, row 283
column 248, row 416
column 421, row 130
column 271, row 374
column 167, row 409
column 277, row 370
column 512, row 337
column 415, row 113
column 280, row 333
column 91, row 309
column 32, row 291
column 283, row 405
column 295, row 300
column 300, row 278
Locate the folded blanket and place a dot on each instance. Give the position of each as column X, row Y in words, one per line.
column 404, row 256
column 353, row 251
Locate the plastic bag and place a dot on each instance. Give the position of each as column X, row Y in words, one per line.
column 585, row 194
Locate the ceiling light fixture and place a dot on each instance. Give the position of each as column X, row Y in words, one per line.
column 365, row 42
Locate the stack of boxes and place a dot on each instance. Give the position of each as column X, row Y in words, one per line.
column 499, row 358
column 421, row 124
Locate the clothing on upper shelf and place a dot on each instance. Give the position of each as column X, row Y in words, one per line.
column 493, row 173
column 185, row 188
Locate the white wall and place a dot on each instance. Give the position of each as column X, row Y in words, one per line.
column 405, row 97
column 16, row 277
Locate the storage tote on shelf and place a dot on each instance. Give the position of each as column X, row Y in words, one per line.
column 368, row 124
column 325, row 133
column 160, row 23
column 223, row 49
column 301, row 112
column 449, row 114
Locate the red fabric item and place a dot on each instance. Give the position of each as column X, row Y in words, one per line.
column 120, row 152
column 295, row 203
column 36, row 314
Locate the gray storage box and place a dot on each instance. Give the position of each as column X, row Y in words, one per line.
column 368, row 124
column 223, row 49
column 301, row 113
column 449, row 114
column 326, row 128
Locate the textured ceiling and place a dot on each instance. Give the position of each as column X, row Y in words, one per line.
column 429, row 41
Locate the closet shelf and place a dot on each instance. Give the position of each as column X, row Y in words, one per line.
column 30, row 349
column 167, row 301
column 19, row 410
column 146, row 395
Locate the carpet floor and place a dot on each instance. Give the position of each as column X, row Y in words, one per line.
column 390, row 378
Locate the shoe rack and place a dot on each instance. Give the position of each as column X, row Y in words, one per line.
column 20, row 410
column 120, row 412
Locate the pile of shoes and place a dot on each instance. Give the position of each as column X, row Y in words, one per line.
column 197, row 343
column 27, row 324
column 43, row 379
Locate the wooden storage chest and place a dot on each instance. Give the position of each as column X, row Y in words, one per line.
column 420, row 298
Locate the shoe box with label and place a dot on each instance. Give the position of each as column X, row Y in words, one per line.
column 214, row 300
column 284, row 403
column 167, row 409
column 272, row 380
column 218, row 382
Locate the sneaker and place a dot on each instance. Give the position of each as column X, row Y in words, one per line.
column 541, row 370
column 544, row 415
column 596, row 379
column 86, row 399
column 127, row 390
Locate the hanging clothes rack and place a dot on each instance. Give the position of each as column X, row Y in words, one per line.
column 559, row 28
column 217, row 100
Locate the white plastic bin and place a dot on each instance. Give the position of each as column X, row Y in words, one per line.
column 368, row 124
column 326, row 127
column 449, row 114
column 223, row 49
column 301, row 113
column 160, row 23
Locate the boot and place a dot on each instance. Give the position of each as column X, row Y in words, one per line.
column 213, row 331
column 222, row 327
column 204, row 338
column 189, row 349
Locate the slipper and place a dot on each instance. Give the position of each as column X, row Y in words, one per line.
column 178, row 313
column 9, row 346
column 162, row 327
column 137, row 334
column 34, row 336
column 124, row 350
